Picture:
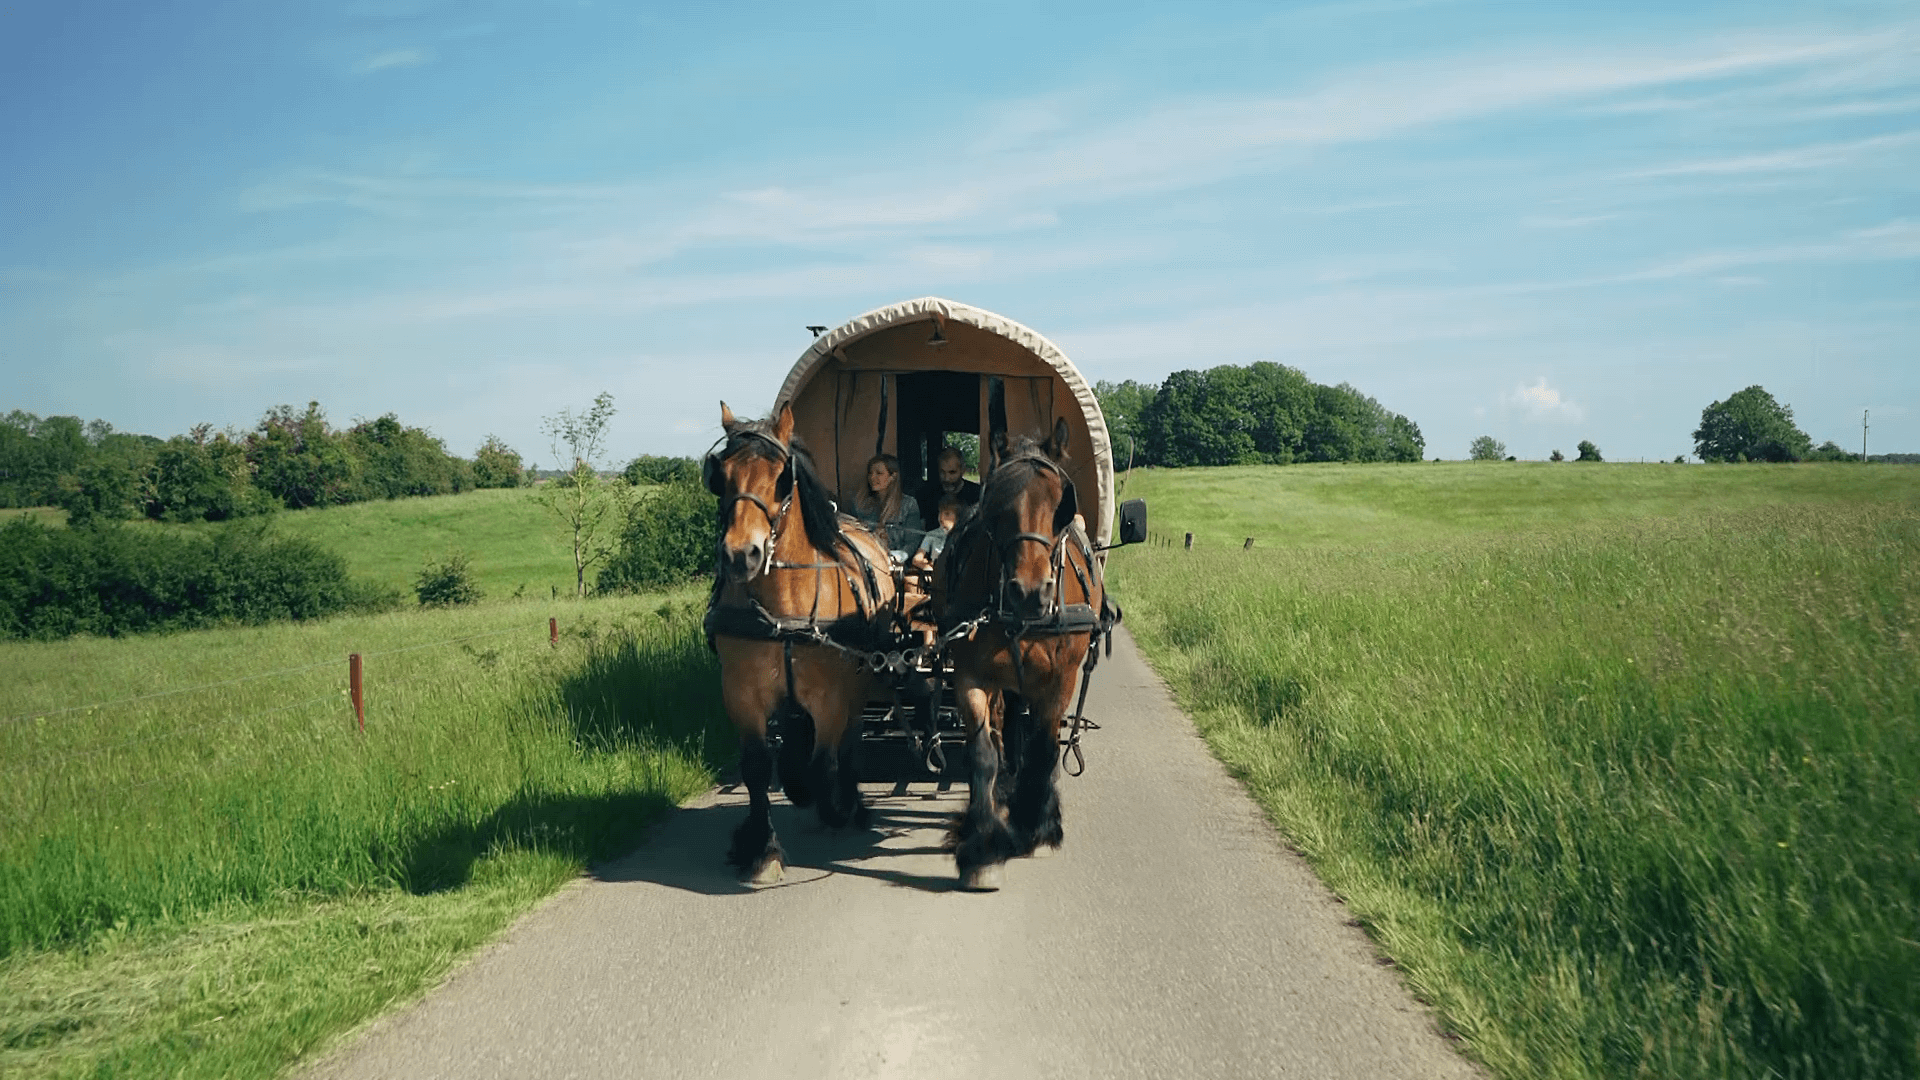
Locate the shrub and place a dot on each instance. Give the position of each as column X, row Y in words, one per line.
column 1556, row 456
column 1487, row 448
column 668, row 538
column 497, row 465
column 446, row 581
column 110, row 579
column 1588, row 451
column 648, row 469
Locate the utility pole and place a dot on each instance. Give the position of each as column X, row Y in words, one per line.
column 1863, row 436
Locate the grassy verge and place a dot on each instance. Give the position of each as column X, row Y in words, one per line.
column 213, row 883
column 1627, row 794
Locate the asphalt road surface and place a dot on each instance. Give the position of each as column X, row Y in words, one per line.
column 1172, row 936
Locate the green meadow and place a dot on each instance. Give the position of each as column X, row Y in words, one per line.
column 207, row 869
column 517, row 545
column 1619, row 763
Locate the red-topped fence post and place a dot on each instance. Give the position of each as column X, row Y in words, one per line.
column 553, row 632
column 353, row 688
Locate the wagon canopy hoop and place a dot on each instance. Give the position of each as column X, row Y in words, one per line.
column 944, row 317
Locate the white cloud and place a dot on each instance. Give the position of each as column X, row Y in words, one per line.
column 1541, row 402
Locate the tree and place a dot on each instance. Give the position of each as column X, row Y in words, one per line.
column 497, row 465
column 1487, row 448
column 592, row 507
column 1556, row 456
column 1749, row 424
column 1588, row 451
column 649, row 469
column 299, row 460
column 1831, row 451
column 1122, row 403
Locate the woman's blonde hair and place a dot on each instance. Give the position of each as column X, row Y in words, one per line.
column 885, row 507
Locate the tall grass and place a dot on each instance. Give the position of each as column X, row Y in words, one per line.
column 493, row 766
column 1631, row 796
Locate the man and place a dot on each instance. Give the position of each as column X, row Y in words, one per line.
column 948, row 484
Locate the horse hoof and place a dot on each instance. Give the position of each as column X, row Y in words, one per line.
column 983, row 878
column 1045, row 851
column 769, row 870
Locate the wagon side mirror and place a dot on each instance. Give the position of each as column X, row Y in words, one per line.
column 1133, row 521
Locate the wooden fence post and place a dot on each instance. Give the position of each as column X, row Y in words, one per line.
column 1189, row 541
column 353, row 688
column 553, row 632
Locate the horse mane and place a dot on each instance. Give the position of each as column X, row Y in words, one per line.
column 998, row 490
column 818, row 514
column 1001, row 487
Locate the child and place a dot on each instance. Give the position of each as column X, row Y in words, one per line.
column 933, row 542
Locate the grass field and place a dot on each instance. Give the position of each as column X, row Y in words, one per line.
column 218, row 878
column 1621, row 763
column 517, row 545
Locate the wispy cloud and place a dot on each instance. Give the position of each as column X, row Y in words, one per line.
column 1576, row 221
column 1824, row 155
column 394, row 58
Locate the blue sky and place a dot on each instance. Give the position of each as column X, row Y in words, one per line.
column 1542, row 222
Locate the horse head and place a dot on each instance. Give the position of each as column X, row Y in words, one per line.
column 752, row 473
column 1026, row 503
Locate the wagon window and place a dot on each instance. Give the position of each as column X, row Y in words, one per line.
column 933, row 404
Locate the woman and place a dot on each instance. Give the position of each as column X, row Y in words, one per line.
column 882, row 504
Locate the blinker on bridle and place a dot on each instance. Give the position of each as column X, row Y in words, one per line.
column 775, row 521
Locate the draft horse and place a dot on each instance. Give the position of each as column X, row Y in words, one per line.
column 800, row 595
column 1022, row 605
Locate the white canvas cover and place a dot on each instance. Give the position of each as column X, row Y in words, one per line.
column 834, row 343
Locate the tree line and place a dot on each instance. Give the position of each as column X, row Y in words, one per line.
column 1260, row 414
column 289, row 459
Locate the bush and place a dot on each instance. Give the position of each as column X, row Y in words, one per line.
column 446, row 581
column 497, row 465
column 669, row 538
column 1486, row 448
column 648, row 469
column 1588, row 451
column 1556, row 456
column 110, row 579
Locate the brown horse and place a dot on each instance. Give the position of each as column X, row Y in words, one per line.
column 800, row 594
column 1022, row 572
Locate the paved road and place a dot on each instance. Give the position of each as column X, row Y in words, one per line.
column 1172, row 936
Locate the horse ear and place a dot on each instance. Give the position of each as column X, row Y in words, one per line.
column 1057, row 446
column 1069, row 506
column 726, row 417
column 712, row 475
column 999, row 445
column 783, row 427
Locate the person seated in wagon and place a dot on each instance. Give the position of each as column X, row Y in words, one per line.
column 949, row 482
column 883, row 505
column 935, row 541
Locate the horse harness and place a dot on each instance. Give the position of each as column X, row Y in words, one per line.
column 854, row 635
column 1056, row 618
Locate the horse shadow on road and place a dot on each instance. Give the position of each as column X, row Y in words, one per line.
column 904, row 845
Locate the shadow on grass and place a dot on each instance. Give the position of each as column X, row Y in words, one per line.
column 660, row 686
column 586, row 829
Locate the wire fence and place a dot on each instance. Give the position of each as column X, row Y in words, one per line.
column 338, row 695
